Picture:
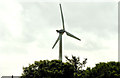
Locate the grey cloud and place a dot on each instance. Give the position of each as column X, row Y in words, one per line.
column 39, row 12
column 16, row 48
column 4, row 35
column 98, row 18
column 37, row 19
column 88, row 46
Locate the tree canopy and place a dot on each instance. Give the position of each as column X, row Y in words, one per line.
column 104, row 70
column 70, row 69
column 48, row 69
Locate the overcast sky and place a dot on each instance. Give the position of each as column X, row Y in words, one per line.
column 28, row 32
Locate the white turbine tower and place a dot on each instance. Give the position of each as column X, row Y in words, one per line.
column 61, row 32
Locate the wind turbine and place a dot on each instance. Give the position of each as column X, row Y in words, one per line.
column 61, row 32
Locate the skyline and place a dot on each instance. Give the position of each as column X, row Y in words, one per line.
column 28, row 32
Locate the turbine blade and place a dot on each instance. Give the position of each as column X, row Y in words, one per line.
column 62, row 17
column 55, row 42
column 69, row 34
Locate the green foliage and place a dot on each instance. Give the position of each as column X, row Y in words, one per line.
column 48, row 69
column 75, row 61
column 70, row 69
column 103, row 70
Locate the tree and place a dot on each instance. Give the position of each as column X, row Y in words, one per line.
column 48, row 69
column 75, row 61
column 103, row 70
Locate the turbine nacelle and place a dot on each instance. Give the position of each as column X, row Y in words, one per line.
column 60, row 31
